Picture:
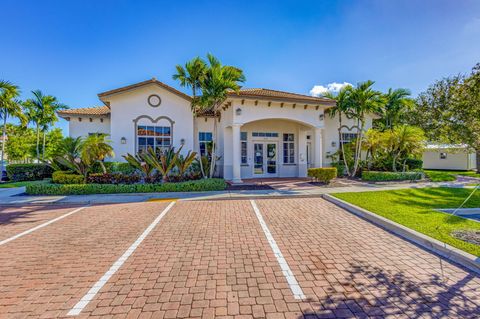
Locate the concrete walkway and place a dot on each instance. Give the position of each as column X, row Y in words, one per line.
column 15, row 196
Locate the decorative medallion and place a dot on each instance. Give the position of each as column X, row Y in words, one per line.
column 154, row 100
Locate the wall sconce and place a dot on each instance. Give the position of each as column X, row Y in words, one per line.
column 123, row 140
column 238, row 111
column 320, row 117
column 182, row 141
column 334, row 144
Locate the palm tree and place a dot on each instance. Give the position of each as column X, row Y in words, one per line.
column 41, row 110
column 192, row 76
column 219, row 80
column 405, row 141
column 95, row 148
column 9, row 106
column 362, row 100
column 397, row 102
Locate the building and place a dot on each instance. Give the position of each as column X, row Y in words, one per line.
column 449, row 157
column 261, row 132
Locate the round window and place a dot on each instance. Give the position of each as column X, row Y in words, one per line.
column 154, row 100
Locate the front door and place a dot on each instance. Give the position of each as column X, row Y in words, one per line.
column 265, row 159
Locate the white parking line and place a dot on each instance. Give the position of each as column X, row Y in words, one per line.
column 287, row 272
column 113, row 269
column 3, row 242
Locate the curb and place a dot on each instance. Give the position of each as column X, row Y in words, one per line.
column 430, row 244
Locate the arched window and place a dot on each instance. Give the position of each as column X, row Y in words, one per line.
column 157, row 134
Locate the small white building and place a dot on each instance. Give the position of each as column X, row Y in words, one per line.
column 449, row 157
column 261, row 132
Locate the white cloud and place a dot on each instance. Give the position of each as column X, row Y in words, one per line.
column 333, row 87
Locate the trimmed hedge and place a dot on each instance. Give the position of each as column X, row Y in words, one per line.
column 28, row 172
column 61, row 177
column 414, row 163
column 113, row 178
column 214, row 184
column 113, row 167
column 375, row 176
column 323, row 174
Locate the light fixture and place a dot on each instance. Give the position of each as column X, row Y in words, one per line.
column 238, row 111
column 334, row 144
column 320, row 117
column 123, row 140
column 182, row 141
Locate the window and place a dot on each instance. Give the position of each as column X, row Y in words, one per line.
column 288, row 149
column 264, row 134
column 204, row 138
column 156, row 137
column 443, row 155
column 243, row 142
column 348, row 137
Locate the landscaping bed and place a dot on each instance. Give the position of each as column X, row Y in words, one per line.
column 417, row 209
column 214, row 184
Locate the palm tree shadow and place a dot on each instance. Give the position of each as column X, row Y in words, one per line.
column 22, row 216
column 379, row 292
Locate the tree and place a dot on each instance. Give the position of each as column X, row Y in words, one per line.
column 42, row 111
column 9, row 107
column 95, row 148
column 192, row 76
column 397, row 104
column 20, row 145
column 449, row 112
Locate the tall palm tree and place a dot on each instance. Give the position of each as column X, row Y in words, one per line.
column 9, row 106
column 218, row 81
column 397, row 102
column 192, row 75
column 363, row 99
column 95, row 148
column 41, row 110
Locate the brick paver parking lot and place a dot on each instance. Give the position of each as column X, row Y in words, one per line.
column 212, row 259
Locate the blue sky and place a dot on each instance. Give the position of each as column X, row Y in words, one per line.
column 76, row 49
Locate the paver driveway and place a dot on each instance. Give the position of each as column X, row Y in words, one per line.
column 212, row 259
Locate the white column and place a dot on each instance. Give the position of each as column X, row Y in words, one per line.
column 236, row 145
column 318, row 147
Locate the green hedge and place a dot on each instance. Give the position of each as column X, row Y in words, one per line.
column 60, row 177
column 28, row 172
column 323, row 174
column 374, row 176
column 215, row 184
column 414, row 163
column 112, row 167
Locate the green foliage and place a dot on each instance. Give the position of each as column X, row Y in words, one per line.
column 397, row 104
column 414, row 163
column 203, row 185
column 184, row 163
column 440, row 176
column 323, row 174
column 61, row 177
column 417, row 209
column 374, row 176
column 20, row 144
column 28, row 172
column 163, row 160
column 139, row 163
column 95, row 148
column 112, row 178
column 24, row 183
column 120, row 167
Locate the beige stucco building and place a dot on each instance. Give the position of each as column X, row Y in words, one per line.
column 261, row 132
column 449, row 157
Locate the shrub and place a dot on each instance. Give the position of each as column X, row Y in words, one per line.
column 323, row 174
column 61, row 177
column 413, row 163
column 112, row 178
column 125, row 168
column 214, row 184
column 375, row 176
column 28, row 172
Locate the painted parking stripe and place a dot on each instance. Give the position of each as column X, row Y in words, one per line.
column 287, row 272
column 113, row 269
column 31, row 230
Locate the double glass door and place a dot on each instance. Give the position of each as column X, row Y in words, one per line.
column 265, row 159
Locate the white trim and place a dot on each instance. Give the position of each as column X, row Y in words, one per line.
column 287, row 272
column 113, row 269
column 31, row 230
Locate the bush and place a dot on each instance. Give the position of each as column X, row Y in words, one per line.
column 413, row 163
column 214, row 184
column 28, row 172
column 124, row 168
column 61, row 177
column 112, row 178
column 375, row 176
column 323, row 174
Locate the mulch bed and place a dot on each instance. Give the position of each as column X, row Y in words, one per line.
column 470, row 236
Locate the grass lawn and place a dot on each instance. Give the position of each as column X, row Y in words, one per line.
column 447, row 176
column 20, row 184
column 415, row 208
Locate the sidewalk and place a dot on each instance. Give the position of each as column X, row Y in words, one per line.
column 15, row 196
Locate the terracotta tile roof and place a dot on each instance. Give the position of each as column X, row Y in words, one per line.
column 98, row 110
column 280, row 95
column 140, row 84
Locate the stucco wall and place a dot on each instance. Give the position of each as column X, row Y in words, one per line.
column 456, row 160
column 78, row 128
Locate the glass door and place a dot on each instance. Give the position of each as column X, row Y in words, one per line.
column 258, row 168
column 271, row 158
column 265, row 159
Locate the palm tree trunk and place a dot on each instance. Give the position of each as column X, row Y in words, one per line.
column 104, row 169
column 38, row 143
column 43, row 147
column 342, row 147
column 358, row 147
column 4, row 136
